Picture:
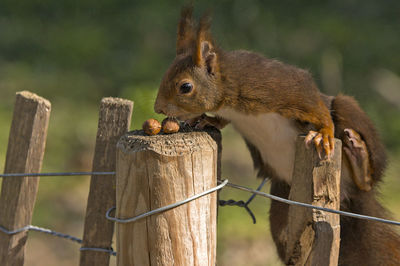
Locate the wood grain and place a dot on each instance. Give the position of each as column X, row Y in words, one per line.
column 313, row 236
column 154, row 171
column 25, row 152
column 114, row 121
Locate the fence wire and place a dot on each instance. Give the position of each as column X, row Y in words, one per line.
column 42, row 230
column 222, row 183
column 57, row 234
column 164, row 208
column 301, row 204
column 55, row 174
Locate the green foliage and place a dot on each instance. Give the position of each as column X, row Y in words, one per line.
column 143, row 97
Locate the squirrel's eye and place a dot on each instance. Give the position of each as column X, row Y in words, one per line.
column 185, row 88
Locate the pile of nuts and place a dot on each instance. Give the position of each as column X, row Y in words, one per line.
column 153, row 127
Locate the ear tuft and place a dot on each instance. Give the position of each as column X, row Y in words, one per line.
column 186, row 31
column 204, row 54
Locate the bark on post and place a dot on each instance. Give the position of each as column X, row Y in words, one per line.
column 114, row 121
column 25, row 152
column 313, row 236
column 154, row 171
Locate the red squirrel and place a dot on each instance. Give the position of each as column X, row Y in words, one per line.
column 270, row 103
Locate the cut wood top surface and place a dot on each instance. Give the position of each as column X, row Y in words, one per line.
column 116, row 101
column 187, row 140
column 34, row 97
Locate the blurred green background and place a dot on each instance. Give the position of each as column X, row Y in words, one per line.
column 76, row 52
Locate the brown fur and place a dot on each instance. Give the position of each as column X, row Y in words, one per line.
column 241, row 80
column 362, row 242
column 253, row 84
column 346, row 113
column 185, row 35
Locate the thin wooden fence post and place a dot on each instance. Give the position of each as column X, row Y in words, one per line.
column 25, row 152
column 154, row 171
column 114, row 121
column 313, row 236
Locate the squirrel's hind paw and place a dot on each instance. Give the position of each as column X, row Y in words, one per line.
column 357, row 154
column 323, row 141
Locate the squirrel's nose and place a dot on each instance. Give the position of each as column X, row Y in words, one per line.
column 158, row 109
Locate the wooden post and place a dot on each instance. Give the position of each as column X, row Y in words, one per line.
column 313, row 236
column 154, row 171
column 25, row 152
column 114, row 121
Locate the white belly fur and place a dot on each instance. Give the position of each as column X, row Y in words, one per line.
column 272, row 134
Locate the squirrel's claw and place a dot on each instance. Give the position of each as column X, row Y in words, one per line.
column 194, row 121
column 323, row 141
column 203, row 121
column 357, row 154
column 311, row 135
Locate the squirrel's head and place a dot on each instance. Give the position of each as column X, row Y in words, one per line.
column 190, row 85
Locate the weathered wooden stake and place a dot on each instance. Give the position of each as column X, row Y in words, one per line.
column 154, row 171
column 25, row 152
column 114, row 121
column 313, row 237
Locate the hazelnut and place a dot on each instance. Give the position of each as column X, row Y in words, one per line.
column 170, row 125
column 151, row 126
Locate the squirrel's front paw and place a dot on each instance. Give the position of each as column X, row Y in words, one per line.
column 323, row 141
column 202, row 121
column 357, row 154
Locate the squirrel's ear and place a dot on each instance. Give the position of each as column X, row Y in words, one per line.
column 186, row 32
column 204, row 53
column 208, row 57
